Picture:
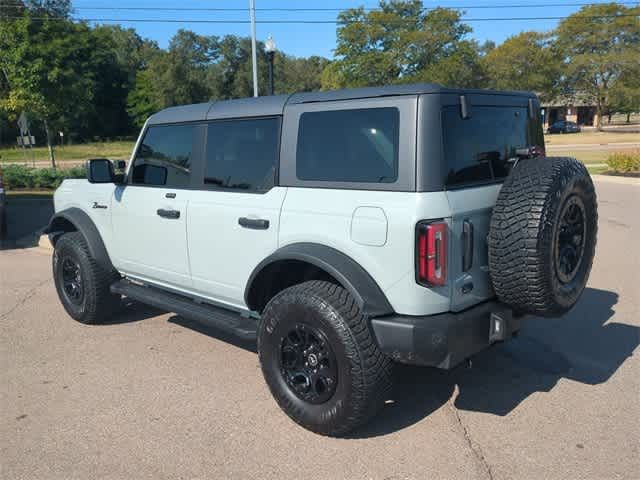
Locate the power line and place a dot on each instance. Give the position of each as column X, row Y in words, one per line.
column 324, row 9
column 334, row 22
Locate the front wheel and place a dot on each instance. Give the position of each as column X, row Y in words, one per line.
column 82, row 284
column 320, row 358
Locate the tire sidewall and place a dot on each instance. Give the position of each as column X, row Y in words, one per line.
column 65, row 248
column 283, row 313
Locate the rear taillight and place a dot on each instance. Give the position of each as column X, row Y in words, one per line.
column 431, row 253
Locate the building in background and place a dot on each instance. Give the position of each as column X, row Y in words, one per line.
column 575, row 107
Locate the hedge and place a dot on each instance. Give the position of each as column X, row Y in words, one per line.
column 624, row 162
column 20, row 176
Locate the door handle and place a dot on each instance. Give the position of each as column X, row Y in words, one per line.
column 168, row 213
column 253, row 223
column 467, row 245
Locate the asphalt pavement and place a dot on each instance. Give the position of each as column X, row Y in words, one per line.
column 152, row 395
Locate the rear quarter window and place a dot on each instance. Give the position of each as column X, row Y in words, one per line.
column 482, row 148
column 359, row 145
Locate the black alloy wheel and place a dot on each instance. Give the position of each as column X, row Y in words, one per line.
column 308, row 364
column 570, row 237
column 72, row 280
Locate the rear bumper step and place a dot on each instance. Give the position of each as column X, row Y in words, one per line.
column 445, row 340
column 217, row 317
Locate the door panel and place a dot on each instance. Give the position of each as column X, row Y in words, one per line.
column 223, row 252
column 147, row 245
column 234, row 212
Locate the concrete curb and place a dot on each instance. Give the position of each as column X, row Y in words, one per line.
column 44, row 243
column 635, row 181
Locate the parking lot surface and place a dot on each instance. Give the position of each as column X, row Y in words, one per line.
column 152, row 395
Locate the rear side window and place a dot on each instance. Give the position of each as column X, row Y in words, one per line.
column 349, row 145
column 164, row 157
column 242, row 154
column 482, row 148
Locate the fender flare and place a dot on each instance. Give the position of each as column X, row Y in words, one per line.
column 349, row 273
column 83, row 224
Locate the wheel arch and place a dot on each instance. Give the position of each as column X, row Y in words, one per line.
column 74, row 219
column 307, row 261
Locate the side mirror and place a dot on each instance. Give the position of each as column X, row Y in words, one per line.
column 101, row 170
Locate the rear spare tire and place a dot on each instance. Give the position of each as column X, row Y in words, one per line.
column 542, row 236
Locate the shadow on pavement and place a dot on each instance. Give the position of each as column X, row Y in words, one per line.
column 27, row 216
column 214, row 333
column 132, row 311
column 580, row 346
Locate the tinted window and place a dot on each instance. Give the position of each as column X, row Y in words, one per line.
column 164, row 156
column 349, row 146
column 242, row 154
column 482, row 148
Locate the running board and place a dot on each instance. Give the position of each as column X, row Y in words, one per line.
column 226, row 320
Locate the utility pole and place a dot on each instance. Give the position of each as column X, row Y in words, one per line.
column 254, row 56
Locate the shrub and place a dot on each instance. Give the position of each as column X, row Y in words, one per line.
column 21, row 176
column 624, row 162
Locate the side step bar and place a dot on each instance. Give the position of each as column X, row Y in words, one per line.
column 226, row 320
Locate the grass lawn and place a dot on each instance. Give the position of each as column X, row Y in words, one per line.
column 80, row 152
column 597, row 170
column 586, row 157
column 591, row 137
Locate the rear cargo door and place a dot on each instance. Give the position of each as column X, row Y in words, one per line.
column 480, row 151
column 468, row 262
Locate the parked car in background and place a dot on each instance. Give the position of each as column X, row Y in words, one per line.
column 3, row 216
column 563, row 126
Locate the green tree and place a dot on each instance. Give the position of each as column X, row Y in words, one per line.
column 48, row 67
column 54, row 8
column 599, row 44
column 401, row 42
column 142, row 100
column 117, row 57
column 298, row 74
column 625, row 93
column 176, row 77
column 523, row 62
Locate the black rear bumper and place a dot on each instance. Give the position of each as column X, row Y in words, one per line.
column 446, row 339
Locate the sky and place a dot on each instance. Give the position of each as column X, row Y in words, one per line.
column 313, row 39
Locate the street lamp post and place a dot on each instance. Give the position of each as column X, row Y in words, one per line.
column 270, row 49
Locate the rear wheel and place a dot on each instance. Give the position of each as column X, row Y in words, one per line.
column 82, row 284
column 320, row 359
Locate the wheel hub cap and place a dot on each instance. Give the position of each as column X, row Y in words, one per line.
column 570, row 238
column 72, row 280
column 308, row 364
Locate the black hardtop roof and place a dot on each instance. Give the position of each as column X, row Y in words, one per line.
column 274, row 104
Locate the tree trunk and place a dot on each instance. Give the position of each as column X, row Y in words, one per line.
column 628, row 117
column 49, row 146
column 599, row 115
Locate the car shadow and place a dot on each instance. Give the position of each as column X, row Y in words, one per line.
column 214, row 332
column 580, row 346
column 132, row 311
